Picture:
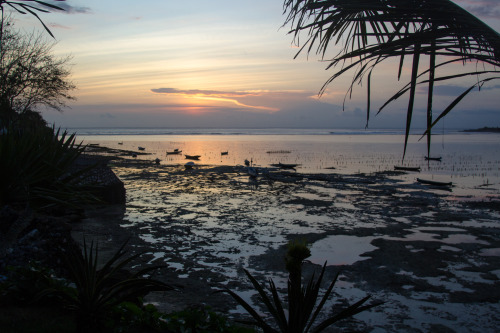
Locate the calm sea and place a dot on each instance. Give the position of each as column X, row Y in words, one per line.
column 470, row 160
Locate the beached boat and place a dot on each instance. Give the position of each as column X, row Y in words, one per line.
column 141, row 148
column 252, row 172
column 224, row 153
column 174, row 152
column 433, row 182
column 433, row 158
column 403, row 168
column 285, row 166
column 193, row 157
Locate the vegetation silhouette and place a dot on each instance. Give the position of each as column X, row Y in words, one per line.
column 25, row 7
column 371, row 32
column 302, row 310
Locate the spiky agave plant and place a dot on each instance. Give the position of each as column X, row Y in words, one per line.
column 35, row 168
column 303, row 307
column 373, row 31
column 100, row 288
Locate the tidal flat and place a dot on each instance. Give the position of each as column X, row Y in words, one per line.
column 433, row 259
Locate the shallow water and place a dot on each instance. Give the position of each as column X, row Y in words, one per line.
column 211, row 223
column 470, row 161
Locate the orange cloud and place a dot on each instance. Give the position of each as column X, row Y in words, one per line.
column 220, row 96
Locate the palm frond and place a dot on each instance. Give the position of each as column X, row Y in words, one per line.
column 22, row 7
column 374, row 31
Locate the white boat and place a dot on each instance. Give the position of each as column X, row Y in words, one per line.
column 252, row 172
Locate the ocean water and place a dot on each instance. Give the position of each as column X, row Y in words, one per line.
column 471, row 161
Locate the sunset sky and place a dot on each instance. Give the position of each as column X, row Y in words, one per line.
column 198, row 63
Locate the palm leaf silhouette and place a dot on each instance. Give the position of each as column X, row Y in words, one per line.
column 373, row 31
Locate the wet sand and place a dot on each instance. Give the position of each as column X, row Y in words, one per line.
column 434, row 261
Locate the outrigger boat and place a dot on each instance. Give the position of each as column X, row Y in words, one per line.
column 175, row 152
column 403, row 168
column 433, row 182
column 193, row 157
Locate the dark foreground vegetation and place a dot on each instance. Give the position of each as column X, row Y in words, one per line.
column 49, row 283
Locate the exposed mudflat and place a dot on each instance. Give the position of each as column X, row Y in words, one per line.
column 434, row 261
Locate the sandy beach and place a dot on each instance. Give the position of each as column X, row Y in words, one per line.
column 435, row 262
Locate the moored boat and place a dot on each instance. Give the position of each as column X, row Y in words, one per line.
column 404, row 168
column 174, row 152
column 141, row 148
column 224, row 153
column 433, row 158
column 433, row 182
column 285, row 166
column 193, row 157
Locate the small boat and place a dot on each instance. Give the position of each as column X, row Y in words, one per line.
column 433, row 182
column 224, row 153
column 193, row 157
column 433, row 158
column 120, row 143
column 174, row 152
column 278, row 152
column 189, row 165
column 134, row 155
column 157, row 161
column 403, row 168
column 141, row 148
column 285, row 166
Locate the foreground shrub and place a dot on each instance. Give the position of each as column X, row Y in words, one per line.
column 99, row 290
column 202, row 320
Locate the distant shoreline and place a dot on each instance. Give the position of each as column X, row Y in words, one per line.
column 485, row 129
